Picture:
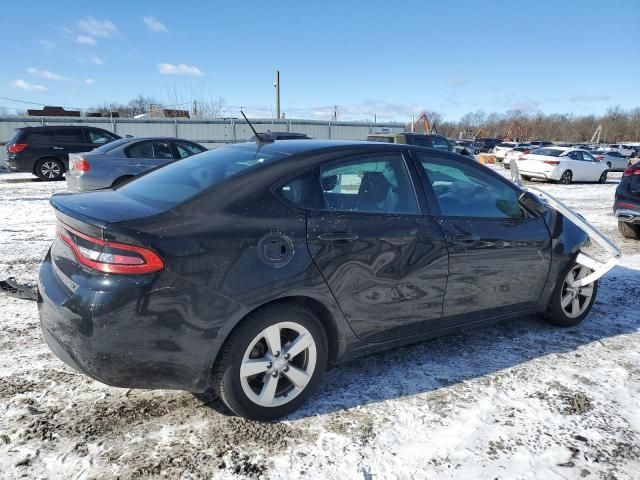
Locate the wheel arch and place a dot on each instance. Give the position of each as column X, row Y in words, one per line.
column 327, row 319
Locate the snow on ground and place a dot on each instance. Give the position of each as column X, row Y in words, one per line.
column 519, row 399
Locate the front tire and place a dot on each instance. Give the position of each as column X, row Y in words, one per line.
column 629, row 230
column 570, row 305
column 49, row 169
column 272, row 362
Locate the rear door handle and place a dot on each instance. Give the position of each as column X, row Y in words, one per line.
column 466, row 239
column 58, row 148
column 338, row 237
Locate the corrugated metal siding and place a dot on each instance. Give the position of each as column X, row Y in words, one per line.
column 210, row 133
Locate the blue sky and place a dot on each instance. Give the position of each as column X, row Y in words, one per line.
column 390, row 59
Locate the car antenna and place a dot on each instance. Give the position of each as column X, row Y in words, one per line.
column 260, row 137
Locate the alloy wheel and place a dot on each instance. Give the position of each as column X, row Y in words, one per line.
column 278, row 364
column 565, row 179
column 50, row 170
column 575, row 300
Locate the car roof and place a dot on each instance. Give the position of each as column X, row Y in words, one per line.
column 292, row 147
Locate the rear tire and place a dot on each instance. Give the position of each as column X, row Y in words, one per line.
column 49, row 169
column 603, row 177
column 569, row 306
column 629, row 230
column 255, row 377
column 566, row 177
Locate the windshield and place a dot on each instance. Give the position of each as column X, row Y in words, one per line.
column 176, row 182
column 549, row 152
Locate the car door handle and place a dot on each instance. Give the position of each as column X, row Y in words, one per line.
column 338, row 237
column 466, row 239
column 58, row 148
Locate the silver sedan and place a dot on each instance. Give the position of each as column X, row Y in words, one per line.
column 614, row 160
column 118, row 161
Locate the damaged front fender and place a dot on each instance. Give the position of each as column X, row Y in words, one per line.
column 599, row 268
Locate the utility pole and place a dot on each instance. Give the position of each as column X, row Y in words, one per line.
column 277, row 86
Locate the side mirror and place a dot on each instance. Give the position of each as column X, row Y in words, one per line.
column 532, row 204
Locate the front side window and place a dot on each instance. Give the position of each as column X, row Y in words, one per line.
column 368, row 183
column 187, row 149
column 466, row 191
column 100, row 138
column 587, row 157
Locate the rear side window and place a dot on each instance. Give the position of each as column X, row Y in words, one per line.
column 69, row 135
column 466, row 191
column 440, row 143
column 368, row 183
column 177, row 182
column 421, row 141
column 154, row 149
column 295, row 191
column 44, row 136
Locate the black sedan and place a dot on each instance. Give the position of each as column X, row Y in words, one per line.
column 255, row 267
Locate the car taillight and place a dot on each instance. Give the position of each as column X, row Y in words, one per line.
column 81, row 165
column 631, row 171
column 552, row 162
column 599, row 157
column 625, row 205
column 16, row 147
column 109, row 257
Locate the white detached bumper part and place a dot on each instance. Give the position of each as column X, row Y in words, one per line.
column 598, row 268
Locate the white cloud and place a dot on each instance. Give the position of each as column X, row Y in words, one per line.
column 47, row 44
column 95, row 60
column 456, row 80
column 154, row 24
column 89, row 81
column 46, row 74
column 97, row 28
column 85, row 40
column 181, row 69
column 29, row 87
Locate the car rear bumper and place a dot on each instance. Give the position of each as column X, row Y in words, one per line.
column 82, row 183
column 628, row 216
column 131, row 336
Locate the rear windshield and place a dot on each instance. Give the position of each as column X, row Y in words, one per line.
column 176, row 182
column 506, row 144
column 110, row 146
column 549, row 152
column 14, row 138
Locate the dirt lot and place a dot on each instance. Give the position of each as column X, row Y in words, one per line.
column 518, row 399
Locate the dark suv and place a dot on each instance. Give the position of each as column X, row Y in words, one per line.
column 44, row 151
column 486, row 145
column 626, row 206
column 430, row 140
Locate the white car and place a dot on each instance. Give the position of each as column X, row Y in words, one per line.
column 500, row 150
column 616, row 147
column 614, row 160
column 562, row 164
column 515, row 153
